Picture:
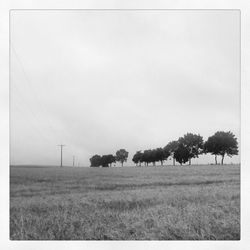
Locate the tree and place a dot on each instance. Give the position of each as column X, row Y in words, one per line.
column 137, row 158
column 181, row 154
column 107, row 160
column 146, row 156
column 170, row 149
column 161, row 155
column 153, row 156
column 111, row 159
column 221, row 143
column 166, row 154
column 194, row 144
column 210, row 146
column 122, row 156
column 95, row 161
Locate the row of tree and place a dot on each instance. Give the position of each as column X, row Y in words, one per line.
column 190, row 146
column 107, row 160
column 182, row 150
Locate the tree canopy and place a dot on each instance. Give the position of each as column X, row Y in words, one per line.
column 221, row 143
column 107, row 160
column 95, row 161
column 181, row 154
column 170, row 149
column 182, row 150
column 193, row 143
column 137, row 158
column 122, row 156
column 104, row 161
column 150, row 156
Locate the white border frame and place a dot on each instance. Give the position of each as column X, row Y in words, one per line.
column 243, row 5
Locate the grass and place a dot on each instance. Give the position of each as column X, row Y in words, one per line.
column 139, row 203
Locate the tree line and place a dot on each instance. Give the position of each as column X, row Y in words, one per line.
column 182, row 150
column 107, row 160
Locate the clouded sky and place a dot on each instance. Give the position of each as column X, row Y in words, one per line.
column 99, row 81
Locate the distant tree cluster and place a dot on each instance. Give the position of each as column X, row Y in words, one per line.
column 182, row 150
column 150, row 156
column 221, row 143
column 190, row 146
column 107, row 160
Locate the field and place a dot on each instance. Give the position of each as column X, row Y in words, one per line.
column 129, row 203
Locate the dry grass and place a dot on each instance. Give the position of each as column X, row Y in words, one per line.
column 147, row 203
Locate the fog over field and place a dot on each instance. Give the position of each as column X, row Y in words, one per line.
column 99, row 81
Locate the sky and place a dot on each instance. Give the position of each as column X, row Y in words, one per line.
column 98, row 81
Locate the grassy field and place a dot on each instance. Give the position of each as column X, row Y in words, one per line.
column 139, row 203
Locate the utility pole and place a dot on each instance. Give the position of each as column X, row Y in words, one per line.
column 61, row 145
column 73, row 160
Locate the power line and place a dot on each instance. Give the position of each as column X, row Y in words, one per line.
column 54, row 132
column 27, row 107
column 30, row 121
column 35, row 129
column 38, row 100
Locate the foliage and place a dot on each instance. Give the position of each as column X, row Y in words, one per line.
column 104, row 161
column 150, row 156
column 193, row 143
column 222, row 143
column 95, row 161
column 181, row 154
column 147, row 156
column 170, row 149
column 122, row 156
column 137, row 158
column 161, row 155
column 182, row 150
column 108, row 159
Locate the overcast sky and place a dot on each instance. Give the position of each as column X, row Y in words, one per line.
column 99, row 81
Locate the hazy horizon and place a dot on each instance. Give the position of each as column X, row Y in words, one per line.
column 99, row 81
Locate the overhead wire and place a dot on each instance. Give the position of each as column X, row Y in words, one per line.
column 37, row 99
column 28, row 119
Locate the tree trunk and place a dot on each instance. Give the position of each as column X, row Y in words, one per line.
column 173, row 162
column 222, row 159
column 122, row 163
column 189, row 161
column 161, row 162
column 216, row 159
